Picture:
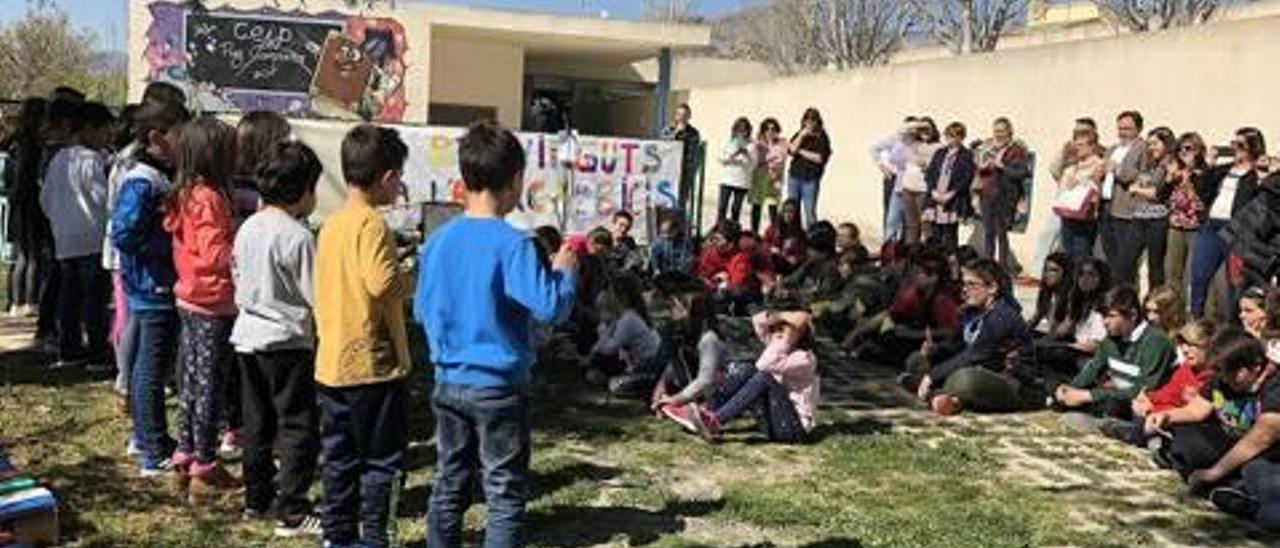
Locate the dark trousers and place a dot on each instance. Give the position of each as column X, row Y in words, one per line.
column 1209, row 253
column 757, row 210
column 83, row 292
column 1105, row 234
column 47, row 320
column 1128, row 249
column 1197, row 446
column 947, row 234
column 1152, row 237
column 363, row 433
column 1078, row 238
column 483, row 434
column 1262, row 480
column 206, row 361
column 730, row 194
column 757, row 392
column 25, row 278
column 995, row 231
column 279, row 402
column 737, row 301
column 157, row 347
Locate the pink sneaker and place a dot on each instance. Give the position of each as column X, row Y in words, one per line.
column 705, row 421
column 945, row 405
column 230, row 446
column 680, row 414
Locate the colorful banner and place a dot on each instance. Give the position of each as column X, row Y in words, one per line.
column 297, row 63
column 573, row 183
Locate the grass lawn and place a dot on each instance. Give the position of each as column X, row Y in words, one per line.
column 609, row 474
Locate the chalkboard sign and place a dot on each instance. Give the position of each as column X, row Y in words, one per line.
column 256, row 53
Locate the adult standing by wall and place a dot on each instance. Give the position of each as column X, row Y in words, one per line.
column 766, row 186
column 1226, row 190
column 681, row 130
column 27, row 226
column 1186, row 209
column 948, row 178
column 914, row 188
column 1002, row 167
column 1079, row 232
column 1050, row 233
column 810, row 151
column 1124, row 163
column 739, row 158
column 890, row 155
column 1150, row 194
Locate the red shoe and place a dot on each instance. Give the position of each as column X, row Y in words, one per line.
column 681, row 415
column 705, row 422
column 945, row 405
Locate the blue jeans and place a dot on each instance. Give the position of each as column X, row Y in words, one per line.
column 757, row 392
column 895, row 217
column 1210, row 252
column 1262, row 480
column 82, row 308
column 484, row 430
column 805, row 190
column 126, row 352
column 1078, row 238
column 157, row 348
column 363, row 433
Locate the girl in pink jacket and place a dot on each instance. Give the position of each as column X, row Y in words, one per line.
column 781, row 390
column 199, row 216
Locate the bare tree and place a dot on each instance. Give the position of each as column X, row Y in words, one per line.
column 969, row 25
column 795, row 36
column 1148, row 15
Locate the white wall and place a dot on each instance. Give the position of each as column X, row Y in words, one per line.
column 478, row 73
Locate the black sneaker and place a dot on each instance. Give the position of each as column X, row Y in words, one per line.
column 1117, row 429
column 305, row 525
column 1235, row 501
column 1162, row 459
column 908, row 382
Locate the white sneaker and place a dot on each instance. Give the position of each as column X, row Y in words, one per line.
column 159, row 469
column 131, row 448
column 303, row 526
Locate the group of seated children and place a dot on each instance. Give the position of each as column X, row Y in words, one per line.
column 1202, row 396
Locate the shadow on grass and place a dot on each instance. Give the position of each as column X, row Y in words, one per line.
column 580, row 526
column 31, row 367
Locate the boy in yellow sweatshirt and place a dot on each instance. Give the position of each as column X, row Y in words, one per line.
column 362, row 354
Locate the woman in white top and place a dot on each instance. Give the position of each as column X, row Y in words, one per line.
column 1225, row 189
column 1078, row 234
column 915, row 190
column 739, row 157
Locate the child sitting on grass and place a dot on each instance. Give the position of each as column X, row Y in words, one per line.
column 699, row 357
column 671, row 252
column 1135, row 356
column 718, row 249
column 1192, row 372
column 629, row 349
column 749, row 275
column 782, row 389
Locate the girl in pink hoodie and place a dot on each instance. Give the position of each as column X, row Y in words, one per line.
column 781, row 390
column 199, row 215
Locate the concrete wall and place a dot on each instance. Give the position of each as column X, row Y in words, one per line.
column 1211, row 79
column 478, row 73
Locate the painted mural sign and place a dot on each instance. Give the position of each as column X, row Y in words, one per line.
column 572, row 185
column 300, row 64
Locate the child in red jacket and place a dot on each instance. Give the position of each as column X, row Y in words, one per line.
column 1193, row 371
column 748, row 275
column 200, row 216
column 713, row 262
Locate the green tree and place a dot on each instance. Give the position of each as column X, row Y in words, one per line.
column 44, row 50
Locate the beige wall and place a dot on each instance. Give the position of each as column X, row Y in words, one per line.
column 1207, row 79
column 478, row 73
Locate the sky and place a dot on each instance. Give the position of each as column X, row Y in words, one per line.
column 107, row 18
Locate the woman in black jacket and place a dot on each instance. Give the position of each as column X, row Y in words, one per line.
column 1225, row 190
column 1254, row 234
column 27, row 228
column 949, row 176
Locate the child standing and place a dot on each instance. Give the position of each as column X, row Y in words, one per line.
column 74, row 197
column 274, row 337
column 477, row 320
column 362, row 355
column 781, row 390
column 145, row 253
column 199, row 215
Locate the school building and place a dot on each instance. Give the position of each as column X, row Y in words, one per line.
column 425, row 63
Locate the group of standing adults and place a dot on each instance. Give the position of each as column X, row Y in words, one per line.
column 756, row 166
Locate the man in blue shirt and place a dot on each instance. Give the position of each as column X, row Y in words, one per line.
column 481, row 287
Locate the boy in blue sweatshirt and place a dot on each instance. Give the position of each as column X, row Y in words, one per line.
column 481, row 287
